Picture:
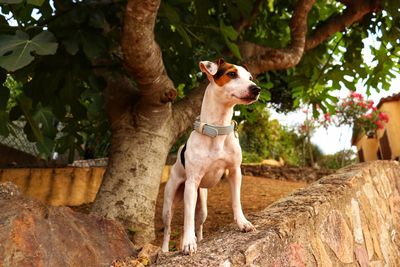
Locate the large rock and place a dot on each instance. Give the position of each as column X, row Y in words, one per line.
column 32, row 234
column 350, row 218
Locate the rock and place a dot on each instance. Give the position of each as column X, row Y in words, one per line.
column 149, row 254
column 128, row 262
column 8, row 190
column 337, row 235
column 321, row 254
column 361, row 256
column 32, row 234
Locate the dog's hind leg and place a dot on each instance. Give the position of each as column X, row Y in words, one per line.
column 201, row 212
column 173, row 193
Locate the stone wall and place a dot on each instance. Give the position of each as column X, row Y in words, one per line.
column 350, row 218
column 287, row 173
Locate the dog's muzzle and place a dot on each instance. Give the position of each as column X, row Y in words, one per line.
column 254, row 90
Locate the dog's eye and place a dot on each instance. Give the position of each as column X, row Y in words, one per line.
column 232, row 74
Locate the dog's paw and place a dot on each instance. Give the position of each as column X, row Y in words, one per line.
column 246, row 226
column 189, row 245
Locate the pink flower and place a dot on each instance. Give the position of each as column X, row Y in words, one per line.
column 383, row 116
column 327, row 117
column 362, row 104
column 368, row 116
column 379, row 124
column 370, row 103
column 356, row 95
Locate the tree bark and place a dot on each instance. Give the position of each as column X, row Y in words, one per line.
column 141, row 137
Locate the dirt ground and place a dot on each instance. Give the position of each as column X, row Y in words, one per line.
column 257, row 194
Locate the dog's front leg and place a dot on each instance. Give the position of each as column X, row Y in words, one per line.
column 235, row 181
column 189, row 245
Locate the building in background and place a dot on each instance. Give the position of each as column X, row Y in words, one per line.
column 386, row 143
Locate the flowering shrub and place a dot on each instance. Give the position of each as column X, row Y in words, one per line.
column 360, row 113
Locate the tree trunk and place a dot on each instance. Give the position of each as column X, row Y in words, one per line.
column 140, row 145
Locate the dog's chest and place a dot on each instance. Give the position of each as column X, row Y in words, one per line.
column 216, row 163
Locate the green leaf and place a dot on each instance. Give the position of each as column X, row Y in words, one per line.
column 271, row 5
column 184, row 35
column 4, row 96
column 228, row 31
column 78, row 110
column 46, row 148
column 97, row 19
column 11, row 1
column 234, row 49
column 93, row 44
column 228, row 34
column 26, row 107
column 44, row 43
column 44, row 117
column 16, row 50
column 265, row 95
column 169, row 12
column 15, row 113
column 36, row 2
column 4, row 130
column 71, row 45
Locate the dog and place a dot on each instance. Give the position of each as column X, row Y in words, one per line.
column 211, row 148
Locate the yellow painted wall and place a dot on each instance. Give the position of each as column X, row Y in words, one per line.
column 70, row 186
column 392, row 109
column 369, row 147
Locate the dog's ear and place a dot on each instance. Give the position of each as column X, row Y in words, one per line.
column 220, row 61
column 209, row 68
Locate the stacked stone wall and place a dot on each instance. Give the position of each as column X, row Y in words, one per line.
column 350, row 218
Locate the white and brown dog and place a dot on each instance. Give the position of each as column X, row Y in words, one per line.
column 211, row 148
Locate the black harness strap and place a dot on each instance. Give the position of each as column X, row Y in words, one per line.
column 183, row 155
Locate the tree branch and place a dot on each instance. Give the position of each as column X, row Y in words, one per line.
column 186, row 110
column 354, row 12
column 142, row 55
column 260, row 58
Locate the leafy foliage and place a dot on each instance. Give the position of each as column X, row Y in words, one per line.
column 338, row 160
column 263, row 138
column 16, row 51
column 54, row 50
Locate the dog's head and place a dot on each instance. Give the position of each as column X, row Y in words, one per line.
column 234, row 83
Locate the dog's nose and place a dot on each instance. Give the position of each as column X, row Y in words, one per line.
column 254, row 89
